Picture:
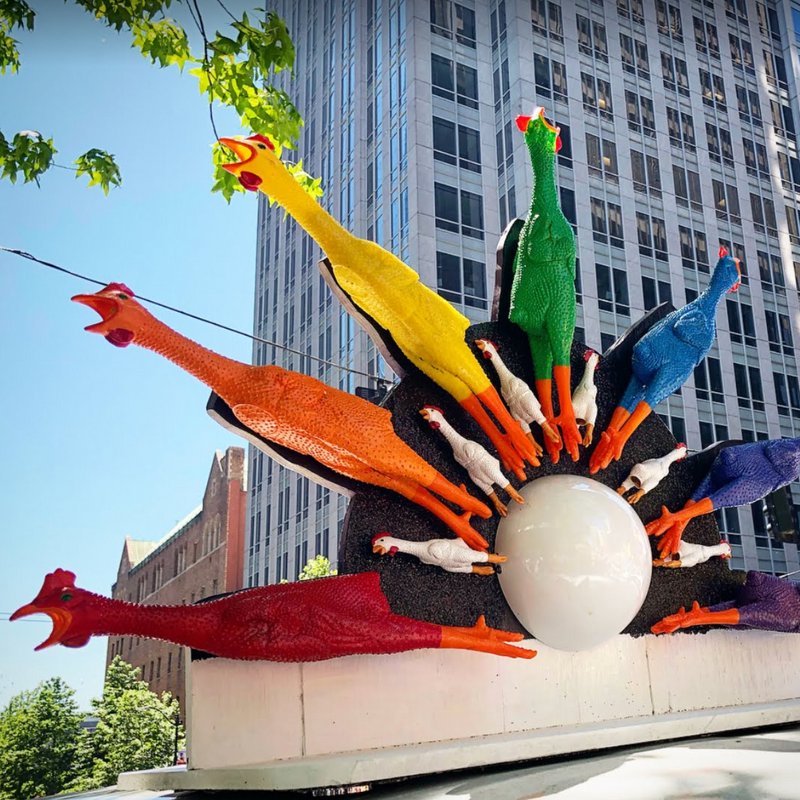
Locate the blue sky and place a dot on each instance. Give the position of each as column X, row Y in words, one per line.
column 98, row 442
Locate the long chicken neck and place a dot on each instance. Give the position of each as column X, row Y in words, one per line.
column 450, row 434
column 191, row 626
column 545, row 194
column 711, row 297
column 312, row 217
column 212, row 369
column 503, row 372
column 670, row 458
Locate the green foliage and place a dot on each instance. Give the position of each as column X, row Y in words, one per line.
column 234, row 68
column 100, row 167
column 28, row 154
column 318, row 567
column 39, row 736
column 13, row 14
column 136, row 729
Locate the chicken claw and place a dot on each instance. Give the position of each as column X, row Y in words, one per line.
column 682, row 619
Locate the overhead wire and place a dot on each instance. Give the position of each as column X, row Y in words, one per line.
column 285, row 348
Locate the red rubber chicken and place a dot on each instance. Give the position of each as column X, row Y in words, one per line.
column 428, row 330
column 296, row 622
column 345, row 433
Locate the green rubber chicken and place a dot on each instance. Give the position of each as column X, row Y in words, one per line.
column 543, row 291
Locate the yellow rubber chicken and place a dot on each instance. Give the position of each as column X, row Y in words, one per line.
column 428, row 330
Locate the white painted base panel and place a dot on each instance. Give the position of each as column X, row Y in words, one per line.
column 257, row 725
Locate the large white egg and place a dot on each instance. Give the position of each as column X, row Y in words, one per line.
column 579, row 561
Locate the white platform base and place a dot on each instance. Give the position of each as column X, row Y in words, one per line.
column 345, row 769
column 363, row 719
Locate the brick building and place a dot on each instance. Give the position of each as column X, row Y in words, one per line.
column 201, row 556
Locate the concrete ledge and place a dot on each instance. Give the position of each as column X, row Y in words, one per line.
column 369, row 766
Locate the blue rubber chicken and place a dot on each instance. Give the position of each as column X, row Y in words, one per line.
column 738, row 476
column 664, row 358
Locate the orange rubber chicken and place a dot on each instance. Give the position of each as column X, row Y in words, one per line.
column 345, row 433
column 428, row 330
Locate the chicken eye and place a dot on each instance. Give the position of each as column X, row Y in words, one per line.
column 261, row 146
column 123, row 296
column 66, row 597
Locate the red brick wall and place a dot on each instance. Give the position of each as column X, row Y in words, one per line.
column 208, row 553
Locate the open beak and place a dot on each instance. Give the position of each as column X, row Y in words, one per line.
column 381, row 551
column 61, row 618
column 425, row 414
column 106, row 307
column 480, row 344
column 243, row 150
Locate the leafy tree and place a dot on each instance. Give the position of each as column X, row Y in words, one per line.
column 234, row 68
column 318, row 567
column 136, row 729
column 39, row 735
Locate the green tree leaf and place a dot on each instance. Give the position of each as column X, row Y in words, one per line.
column 136, row 729
column 100, row 167
column 39, row 737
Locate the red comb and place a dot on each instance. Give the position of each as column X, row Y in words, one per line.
column 378, row 536
column 435, row 408
column 723, row 251
column 588, row 354
column 681, row 444
column 55, row 581
column 119, row 287
column 259, row 137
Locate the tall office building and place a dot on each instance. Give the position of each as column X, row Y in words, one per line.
column 679, row 128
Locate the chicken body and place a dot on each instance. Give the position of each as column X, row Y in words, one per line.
column 296, row 622
column 690, row 555
column 451, row 555
column 428, row 329
column 584, row 399
column 345, row 433
column 543, row 300
column 483, row 468
column 648, row 474
column 763, row 603
column 739, row 475
column 664, row 358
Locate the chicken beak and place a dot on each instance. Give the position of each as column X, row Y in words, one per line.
column 381, row 551
column 106, row 307
column 244, row 152
column 61, row 618
column 480, row 344
column 425, row 414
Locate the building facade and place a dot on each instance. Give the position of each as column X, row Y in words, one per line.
column 201, row 556
column 679, row 127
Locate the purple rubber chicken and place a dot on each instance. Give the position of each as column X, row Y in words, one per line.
column 739, row 475
column 764, row 602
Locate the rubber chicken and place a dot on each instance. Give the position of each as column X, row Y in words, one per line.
column 428, row 330
column 341, row 431
column 543, row 292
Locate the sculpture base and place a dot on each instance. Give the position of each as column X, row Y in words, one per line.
column 256, row 725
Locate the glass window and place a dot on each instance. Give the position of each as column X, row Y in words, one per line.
column 448, row 276
column 614, row 215
column 559, row 79
column 442, row 76
column 467, row 85
column 446, row 207
column 597, row 207
column 471, row 214
column 541, row 72
column 440, row 17
column 465, row 25
column 474, row 283
column 469, row 148
column 588, row 90
column 444, row 140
